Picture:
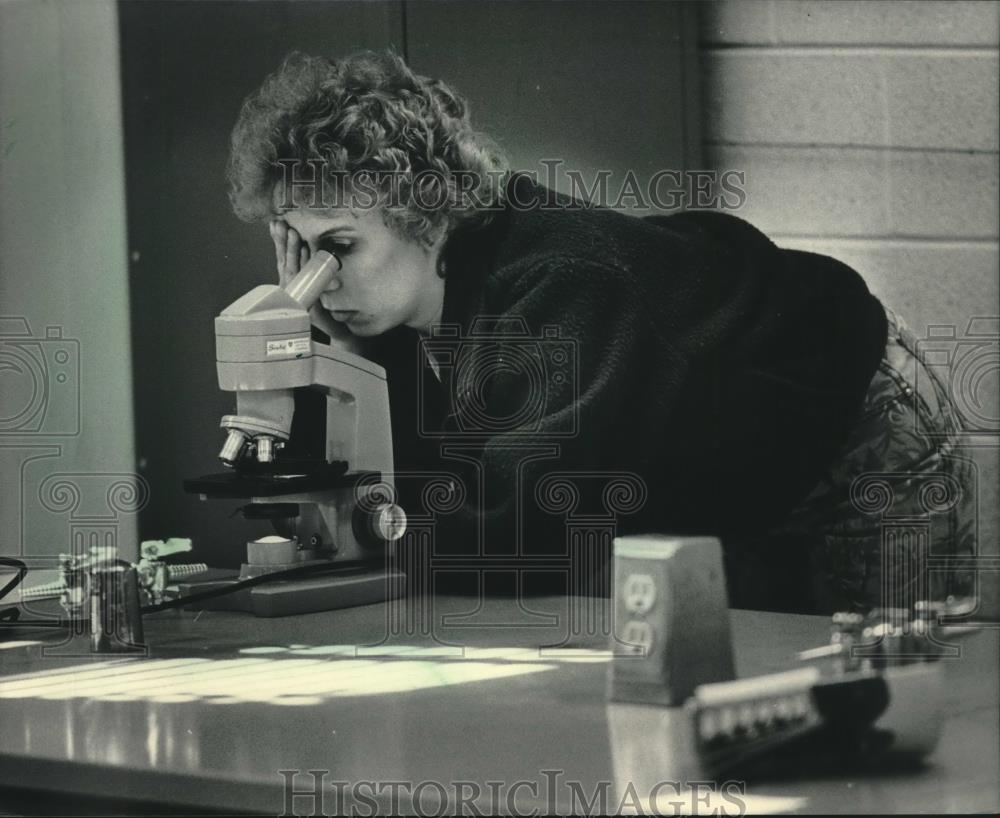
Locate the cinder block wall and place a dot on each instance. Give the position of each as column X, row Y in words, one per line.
column 868, row 131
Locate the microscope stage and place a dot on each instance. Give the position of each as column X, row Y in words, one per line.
column 243, row 484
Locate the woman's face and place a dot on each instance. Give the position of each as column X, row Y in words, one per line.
column 385, row 280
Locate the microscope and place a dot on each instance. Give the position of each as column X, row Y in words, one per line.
column 310, row 449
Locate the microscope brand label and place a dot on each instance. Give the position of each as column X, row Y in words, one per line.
column 288, row 346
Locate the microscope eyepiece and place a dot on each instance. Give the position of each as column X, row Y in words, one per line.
column 312, row 279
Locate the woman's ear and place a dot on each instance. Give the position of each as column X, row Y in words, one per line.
column 438, row 249
column 437, row 237
column 435, row 242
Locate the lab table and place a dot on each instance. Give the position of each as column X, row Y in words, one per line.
column 427, row 704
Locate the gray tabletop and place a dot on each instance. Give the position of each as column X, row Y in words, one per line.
column 405, row 706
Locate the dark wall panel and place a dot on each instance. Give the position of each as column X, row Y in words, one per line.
column 599, row 85
column 186, row 68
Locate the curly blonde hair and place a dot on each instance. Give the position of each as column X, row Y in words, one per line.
column 367, row 115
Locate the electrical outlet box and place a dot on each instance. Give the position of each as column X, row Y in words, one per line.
column 671, row 627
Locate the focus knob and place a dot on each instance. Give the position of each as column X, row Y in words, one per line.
column 380, row 524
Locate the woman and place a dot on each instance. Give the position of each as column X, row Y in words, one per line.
column 535, row 346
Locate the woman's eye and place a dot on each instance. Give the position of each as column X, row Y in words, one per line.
column 338, row 248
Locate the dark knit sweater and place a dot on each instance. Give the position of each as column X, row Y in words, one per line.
column 720, row 369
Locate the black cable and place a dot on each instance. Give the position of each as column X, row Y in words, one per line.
column 10, row 616
column 20, row 567
column 239, row 585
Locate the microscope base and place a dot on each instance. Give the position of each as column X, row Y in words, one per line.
column 345, row 588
